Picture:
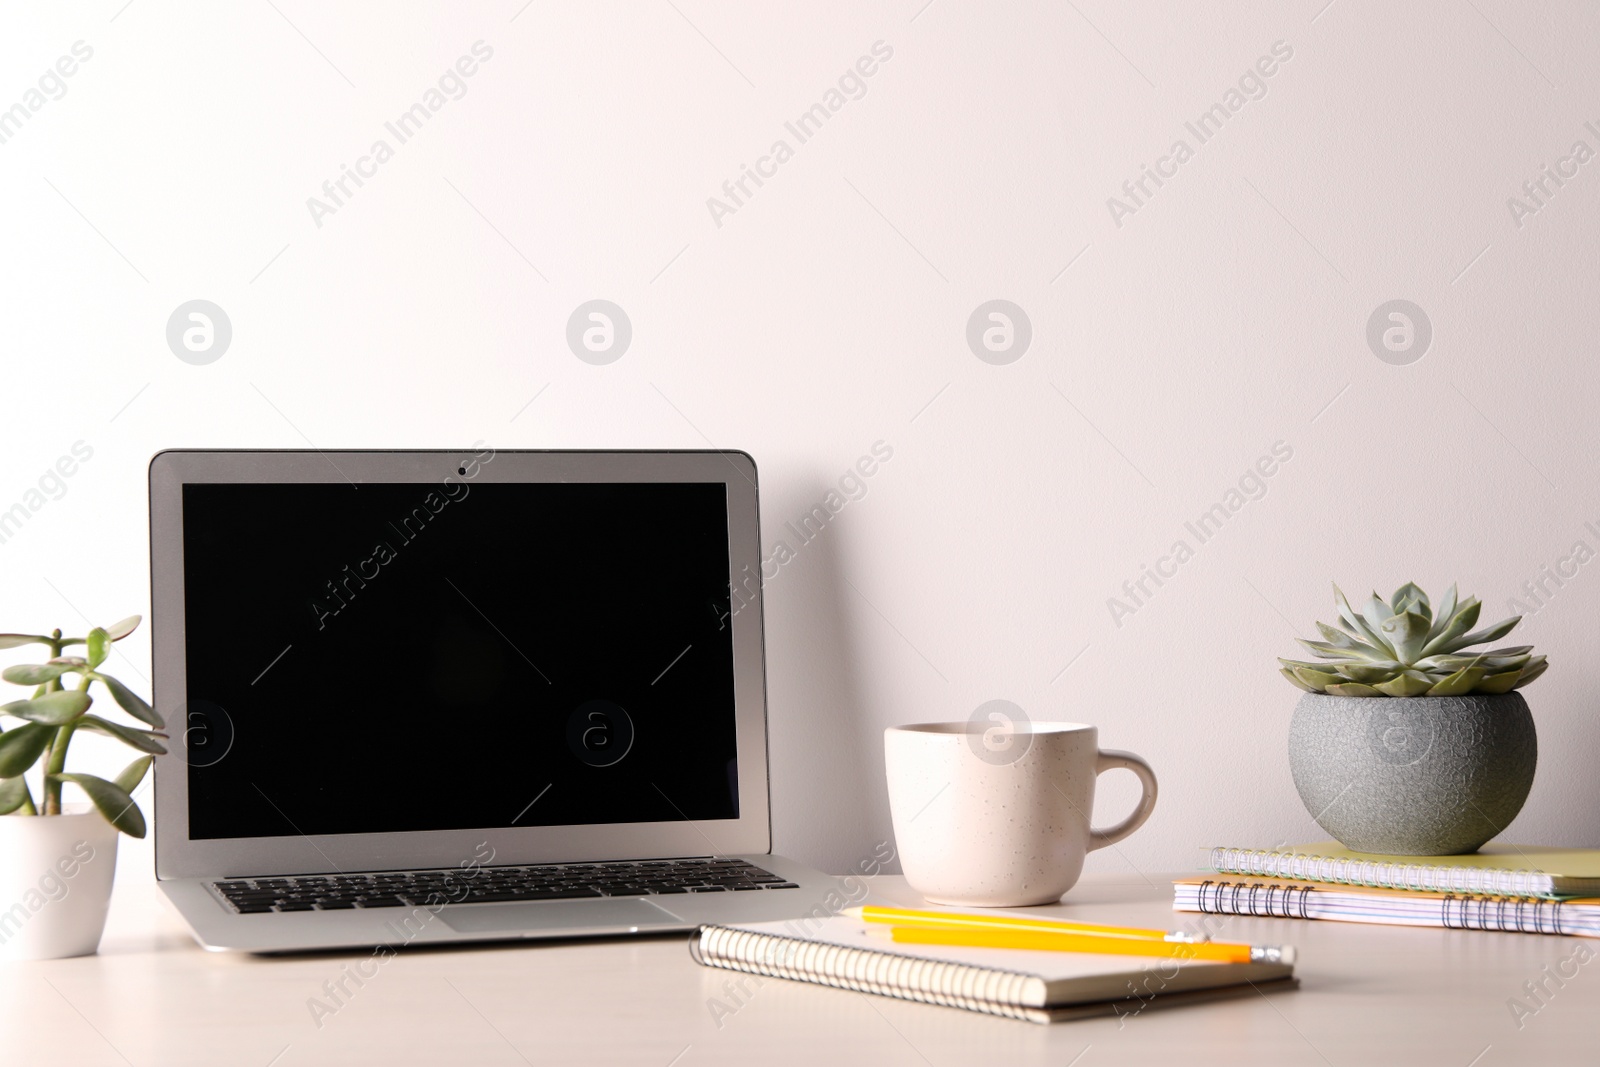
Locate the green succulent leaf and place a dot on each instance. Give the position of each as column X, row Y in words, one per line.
column 133, row 774
column 1418, row 608
column 1491, row 633
column 111, row 800
column 1335, row 636
column 1410, row 597
column 1375, row 611
column 123, row 627
column 1297, row 683
column 1456, row 659
column 13, row 792
column 143, row 740
column 1339, row 639
column 1448, row 663
column 1458, row 684
column 130, row 702
column 17, row 640
column 34, row 673
column 1498, row 683
column 1530, row 672
column 1407, row 633
column 1370, row 673
column 99, row 646
column 1326, row 651
column 1442, row 614
column 52, row 709
column 1319, row 679
column 22, row 747
column 1449, row 639
column 1356, row 624
column 1407, row 684
column 1319, row 665
column 1354, row 689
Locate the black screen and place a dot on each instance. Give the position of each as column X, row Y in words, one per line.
column 456, row 655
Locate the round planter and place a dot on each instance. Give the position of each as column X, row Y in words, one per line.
column 1422, row 776
column 55, row 884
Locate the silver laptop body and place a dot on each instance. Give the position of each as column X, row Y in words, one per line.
column 437, row 696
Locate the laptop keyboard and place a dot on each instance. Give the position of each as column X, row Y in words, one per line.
column 566, row 881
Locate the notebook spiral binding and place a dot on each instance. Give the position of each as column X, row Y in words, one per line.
column 980, row 989
column 1504, row 914
column 1275, row 901
column 1264, row 863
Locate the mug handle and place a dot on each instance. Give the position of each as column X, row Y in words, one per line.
column 1110, row 759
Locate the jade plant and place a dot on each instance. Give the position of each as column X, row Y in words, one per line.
column 1403, row 647
column 58, row 709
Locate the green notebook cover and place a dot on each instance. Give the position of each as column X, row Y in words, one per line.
column 1519, row 870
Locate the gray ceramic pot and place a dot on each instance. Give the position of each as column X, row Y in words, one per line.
column 1424, row 776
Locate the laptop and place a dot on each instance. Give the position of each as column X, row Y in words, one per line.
column 444, row 696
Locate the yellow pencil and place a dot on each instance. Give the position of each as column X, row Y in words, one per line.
column 1044, row 940
column 967, row 920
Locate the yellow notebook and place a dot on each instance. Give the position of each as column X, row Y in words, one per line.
column 1494, row 870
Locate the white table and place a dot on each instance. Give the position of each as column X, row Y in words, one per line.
column 1370, row 995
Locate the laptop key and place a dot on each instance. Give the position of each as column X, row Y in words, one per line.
column 295, row 905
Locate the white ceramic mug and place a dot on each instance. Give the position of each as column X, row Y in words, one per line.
column 973, row 828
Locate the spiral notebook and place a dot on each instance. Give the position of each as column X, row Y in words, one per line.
column 1284, row 899
column 1037, row 986
column 1494, row 870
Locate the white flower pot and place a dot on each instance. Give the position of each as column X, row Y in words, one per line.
column 55, row 884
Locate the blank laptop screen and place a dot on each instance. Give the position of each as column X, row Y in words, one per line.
column 456, row 655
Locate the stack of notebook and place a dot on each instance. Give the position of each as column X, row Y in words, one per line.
column 1528, row 889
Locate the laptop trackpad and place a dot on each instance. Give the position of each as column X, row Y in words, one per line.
column 568, row 916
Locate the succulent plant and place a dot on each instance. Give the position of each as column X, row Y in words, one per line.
column 1403, row 648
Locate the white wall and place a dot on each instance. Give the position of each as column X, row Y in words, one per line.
column 829, row 312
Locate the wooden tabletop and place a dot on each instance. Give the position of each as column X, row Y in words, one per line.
column 1370, row 995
